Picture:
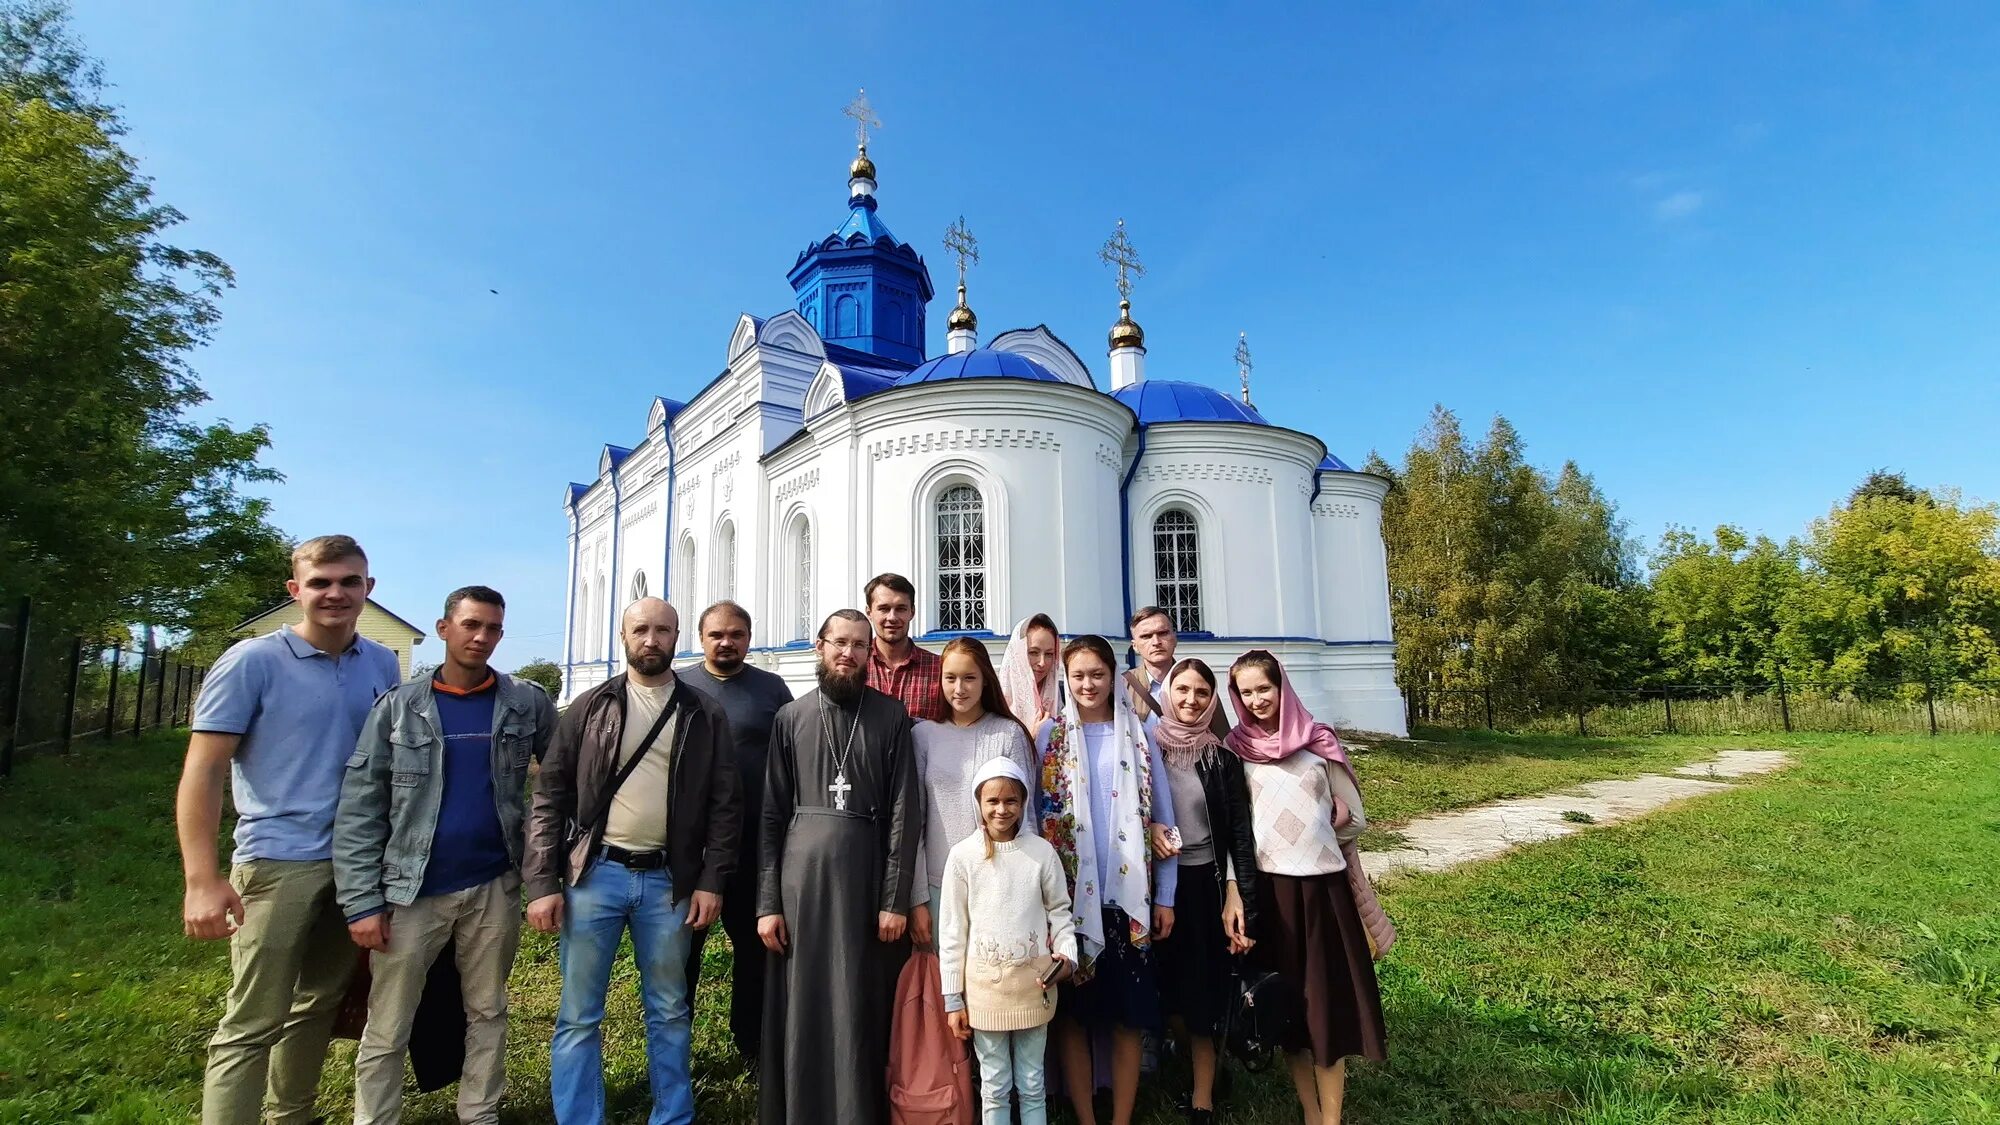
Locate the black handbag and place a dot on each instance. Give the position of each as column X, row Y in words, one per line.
column 1262, row 1017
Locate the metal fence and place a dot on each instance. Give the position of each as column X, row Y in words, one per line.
column 56, row 690
column 1784, row 704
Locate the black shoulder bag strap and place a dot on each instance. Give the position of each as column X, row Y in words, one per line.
column 638, row 755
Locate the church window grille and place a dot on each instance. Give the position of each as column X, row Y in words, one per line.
column 1177, row 569
column 961, row 559
column 638, row 585
column 802, row 543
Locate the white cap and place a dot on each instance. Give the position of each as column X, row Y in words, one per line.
column 1001, row 766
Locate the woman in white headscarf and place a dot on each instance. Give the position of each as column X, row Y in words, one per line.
column 1028, row 676
column 1099, row 803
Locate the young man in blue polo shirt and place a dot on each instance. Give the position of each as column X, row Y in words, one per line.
column 278, row 717
column 427, row 850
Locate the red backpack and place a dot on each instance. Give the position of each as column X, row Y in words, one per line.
column 930, row 1071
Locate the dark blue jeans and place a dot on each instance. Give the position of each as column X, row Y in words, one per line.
column 596, row 913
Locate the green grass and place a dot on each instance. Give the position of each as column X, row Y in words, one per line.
column 1821, row 945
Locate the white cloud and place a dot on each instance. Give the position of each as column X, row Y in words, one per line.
column 1679, row 205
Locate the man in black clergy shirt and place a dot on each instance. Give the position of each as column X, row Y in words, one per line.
column 842, row 817
column 751, row 697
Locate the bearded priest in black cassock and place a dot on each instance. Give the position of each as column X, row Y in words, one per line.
column 842, row 820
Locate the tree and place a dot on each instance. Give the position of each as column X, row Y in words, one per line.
column 1718, row 605
column 543, row 672
column 114, row 506
column 1498, row 575
column 1900, row 585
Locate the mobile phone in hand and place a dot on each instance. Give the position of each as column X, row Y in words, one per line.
column 1055, row 970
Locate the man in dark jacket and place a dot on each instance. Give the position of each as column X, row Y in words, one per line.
column 637, row 814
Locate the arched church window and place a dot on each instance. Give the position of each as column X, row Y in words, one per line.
column 638, row 585
column 802, row 628
column 1177, row 569
column 846, row 316
column 603, row 612
column 683, row 576
column 961, row 559
column 724, row 581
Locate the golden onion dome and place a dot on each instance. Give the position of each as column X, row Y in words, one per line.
column 962, row 317
column 1127, row 333
column 862, row 168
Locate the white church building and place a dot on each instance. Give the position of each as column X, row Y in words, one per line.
column 1001, row 478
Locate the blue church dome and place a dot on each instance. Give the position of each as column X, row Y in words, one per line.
column 980, row 363
column 1168, row 400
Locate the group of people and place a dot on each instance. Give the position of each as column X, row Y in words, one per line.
column 1097, row 854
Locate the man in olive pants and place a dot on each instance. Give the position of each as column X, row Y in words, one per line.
column 278, row 717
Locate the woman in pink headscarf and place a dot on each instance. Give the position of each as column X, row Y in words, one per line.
column 1305, row 810
column 1028, row 671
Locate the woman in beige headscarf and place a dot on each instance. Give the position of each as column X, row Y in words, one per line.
column 1028, row 671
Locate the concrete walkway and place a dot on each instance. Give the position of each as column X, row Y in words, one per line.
column 1436, row 843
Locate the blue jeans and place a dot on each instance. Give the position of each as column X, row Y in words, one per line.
column 596, row 913
column 1012, row 1061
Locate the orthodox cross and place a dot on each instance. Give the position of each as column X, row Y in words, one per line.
column 1119, row 253
column 864, row 117
column 1243, row 364
column 959, row 243
column 840, row 789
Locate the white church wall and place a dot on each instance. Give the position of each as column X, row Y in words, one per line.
column 1042, row 459
column 1353, row 574
column 1242, row 484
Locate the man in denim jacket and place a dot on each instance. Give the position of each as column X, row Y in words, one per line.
column 427, row 849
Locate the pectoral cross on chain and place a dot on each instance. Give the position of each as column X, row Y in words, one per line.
column 840, row 788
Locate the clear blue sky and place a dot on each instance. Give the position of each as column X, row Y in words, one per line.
column 1728, row 258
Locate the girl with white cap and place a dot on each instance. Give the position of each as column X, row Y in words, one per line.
column 1005, row 934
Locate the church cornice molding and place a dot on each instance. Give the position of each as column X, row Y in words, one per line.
column 797, row 486
column 1210, row 470
column 1011, row 400
column 1363, row 485
column 962, row 439
column 1335, row 509
column 1205, row 439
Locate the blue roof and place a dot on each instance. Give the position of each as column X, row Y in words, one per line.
column 864, row 222
column 980, row 363
column 1168, row 400
column 1335, row 465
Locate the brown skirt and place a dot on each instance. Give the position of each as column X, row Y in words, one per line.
column 1313, row 936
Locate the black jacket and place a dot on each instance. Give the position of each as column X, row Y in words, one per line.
column 1227, row 791
column 704, row 792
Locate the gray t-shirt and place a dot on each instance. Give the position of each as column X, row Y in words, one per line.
column 1191, row 811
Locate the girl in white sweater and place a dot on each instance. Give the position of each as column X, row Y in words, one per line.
column 1005, row 936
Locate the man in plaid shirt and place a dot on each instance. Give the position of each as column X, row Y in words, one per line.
column 896, row 665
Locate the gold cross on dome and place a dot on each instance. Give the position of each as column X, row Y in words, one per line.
column 864, row 117
column 1119, row 252
column 959, row 243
